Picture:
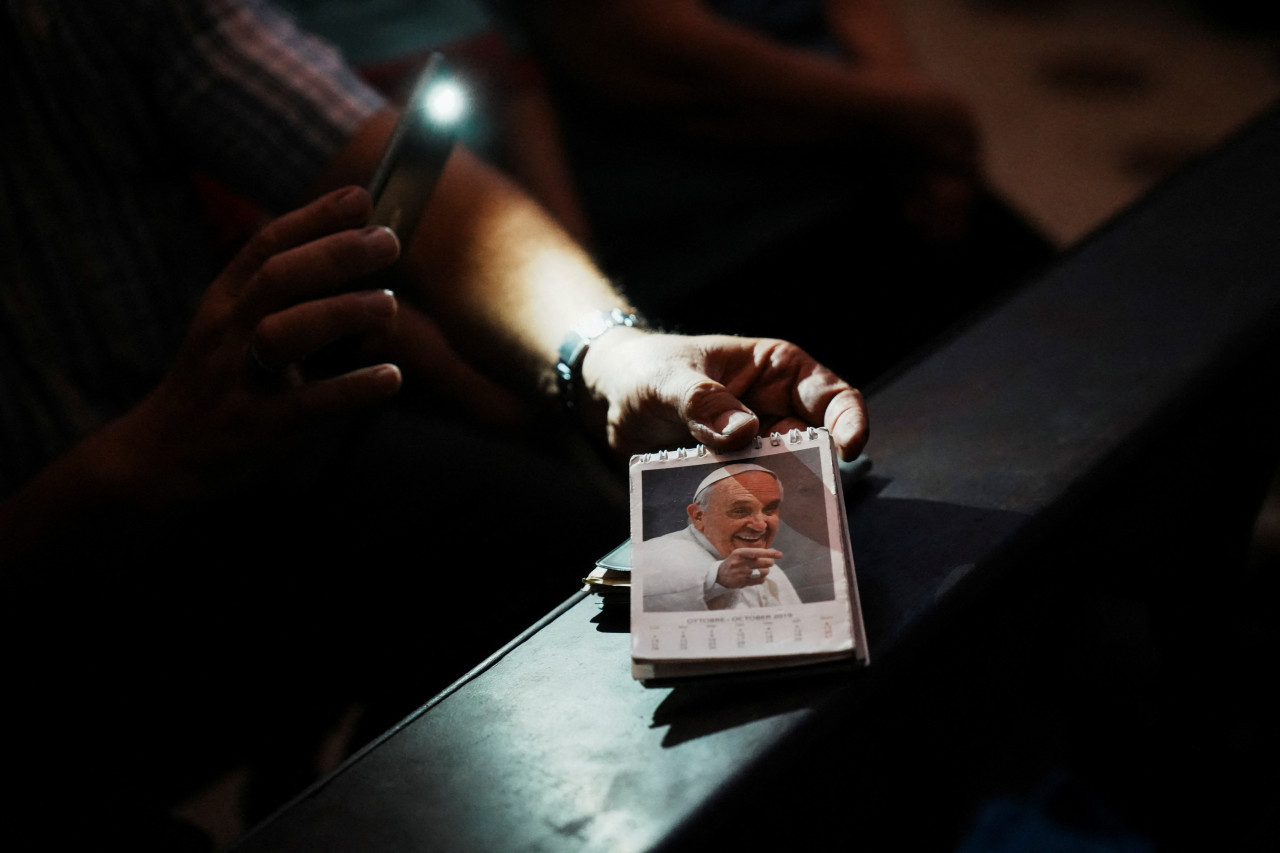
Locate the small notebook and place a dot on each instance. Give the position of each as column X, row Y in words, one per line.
column 740, row 561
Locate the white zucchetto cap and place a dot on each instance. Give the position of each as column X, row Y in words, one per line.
column 731, row 470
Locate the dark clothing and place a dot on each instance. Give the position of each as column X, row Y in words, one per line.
column 115, row 108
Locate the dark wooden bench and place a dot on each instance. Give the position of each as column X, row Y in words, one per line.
column 1047, row 548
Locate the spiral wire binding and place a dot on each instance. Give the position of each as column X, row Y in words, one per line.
column 793, row 436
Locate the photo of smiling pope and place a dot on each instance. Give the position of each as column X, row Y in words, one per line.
column 742, row 534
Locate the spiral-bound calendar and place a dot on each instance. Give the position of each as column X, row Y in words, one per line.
column 741, row 561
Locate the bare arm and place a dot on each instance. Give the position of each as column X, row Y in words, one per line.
column 492, row 268
column 507, row 283
column 488, row 264
column 678, row 57
column 869, row 30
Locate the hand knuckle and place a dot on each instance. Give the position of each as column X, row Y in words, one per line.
column 775, row 351
column 272, row 274
column 270, row 239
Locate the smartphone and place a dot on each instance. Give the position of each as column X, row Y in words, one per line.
column 410, row 166
column 418, row 149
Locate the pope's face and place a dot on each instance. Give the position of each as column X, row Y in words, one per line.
column 743, row 512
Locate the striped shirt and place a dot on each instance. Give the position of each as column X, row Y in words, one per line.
column 112, row 107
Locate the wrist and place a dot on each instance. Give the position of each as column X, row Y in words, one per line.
column 88, row 480
column 718, row 579
column 138, row 460
column 109, row 465
column 582, row 343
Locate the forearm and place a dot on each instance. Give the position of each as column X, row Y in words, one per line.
column 733, row 80
column 871, row 33
column 92, row 477
column 506, row 284
column 721, row 62
column 500, row 276
column 494, row 266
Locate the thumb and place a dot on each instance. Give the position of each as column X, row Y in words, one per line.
column 716, row 418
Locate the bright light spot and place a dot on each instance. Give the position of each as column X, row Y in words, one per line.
column 446, row 102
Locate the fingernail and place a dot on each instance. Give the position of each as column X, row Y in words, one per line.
column 732, row 421
column 379, row 303
column 387, row 376
column 381, row 242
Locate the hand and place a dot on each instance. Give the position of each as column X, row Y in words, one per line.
column 938, row 126
column 236, row 391
column 940, row 204
column 746, row 567
column 660, row 391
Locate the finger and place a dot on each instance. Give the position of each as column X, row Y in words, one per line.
column 753, row 569
column 289, row 336
column 347, row 392
column 318, row 268
column 759, row 553
column 848, row 425
column 339, row 210
column 714, row 416
column 822, row 397
column 846, row 419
